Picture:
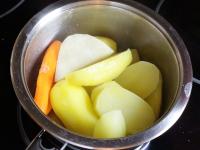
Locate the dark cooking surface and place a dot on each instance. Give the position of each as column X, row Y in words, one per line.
column 184, row 15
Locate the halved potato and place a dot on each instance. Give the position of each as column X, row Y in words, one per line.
column 155, row 99
column 142, row 78
column 95, row 92
column 137, row 113
column 102, row 71
column 110, row 125
column 111, row 43
column 73, row 107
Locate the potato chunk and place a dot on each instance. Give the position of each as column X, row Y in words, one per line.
column 137, row 113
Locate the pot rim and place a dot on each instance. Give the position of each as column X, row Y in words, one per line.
column 162, row 125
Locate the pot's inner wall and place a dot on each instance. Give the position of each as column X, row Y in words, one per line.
column 128, row 29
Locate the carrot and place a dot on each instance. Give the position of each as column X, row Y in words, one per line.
column 45, row 77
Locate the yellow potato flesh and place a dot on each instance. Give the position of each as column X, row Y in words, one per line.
column 102, row 71
column 135, row 58
column 95, row 92
column 111, row 43
column 142, row 78
column 155, row 99
column 73, row 107
column 110, row 125
column 137, row 113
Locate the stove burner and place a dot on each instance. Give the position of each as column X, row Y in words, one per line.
column 195, row 80
column 43, row 140
column 159, row 5
column 12, row 9
column 22, row 131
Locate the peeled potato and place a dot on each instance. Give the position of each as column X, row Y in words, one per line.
column 110, row 125
column 95, row 92
column 111, row 43
column 137, row 113
column 155, row 99
column 102, row 71
column 142, row 78
column 80, row 50
column 73, row 107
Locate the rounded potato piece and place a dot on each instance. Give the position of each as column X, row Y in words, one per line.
column 73, row 107
column 110, row 125
column 137, row 113
column 102, row 71
column 141, row 78
column 98, row 89
column 155, row 99
column 111, row 43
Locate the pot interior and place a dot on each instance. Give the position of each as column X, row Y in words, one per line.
column 129, row 27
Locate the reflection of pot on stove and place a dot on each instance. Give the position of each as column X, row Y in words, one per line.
column 131, row 25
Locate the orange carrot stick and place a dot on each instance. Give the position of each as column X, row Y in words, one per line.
column 45, row 78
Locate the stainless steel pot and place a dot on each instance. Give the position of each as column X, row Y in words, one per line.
column 131, row 25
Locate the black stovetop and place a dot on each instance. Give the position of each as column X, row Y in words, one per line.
column 184, row 15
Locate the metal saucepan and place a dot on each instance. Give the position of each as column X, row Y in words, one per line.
column 131, row 25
